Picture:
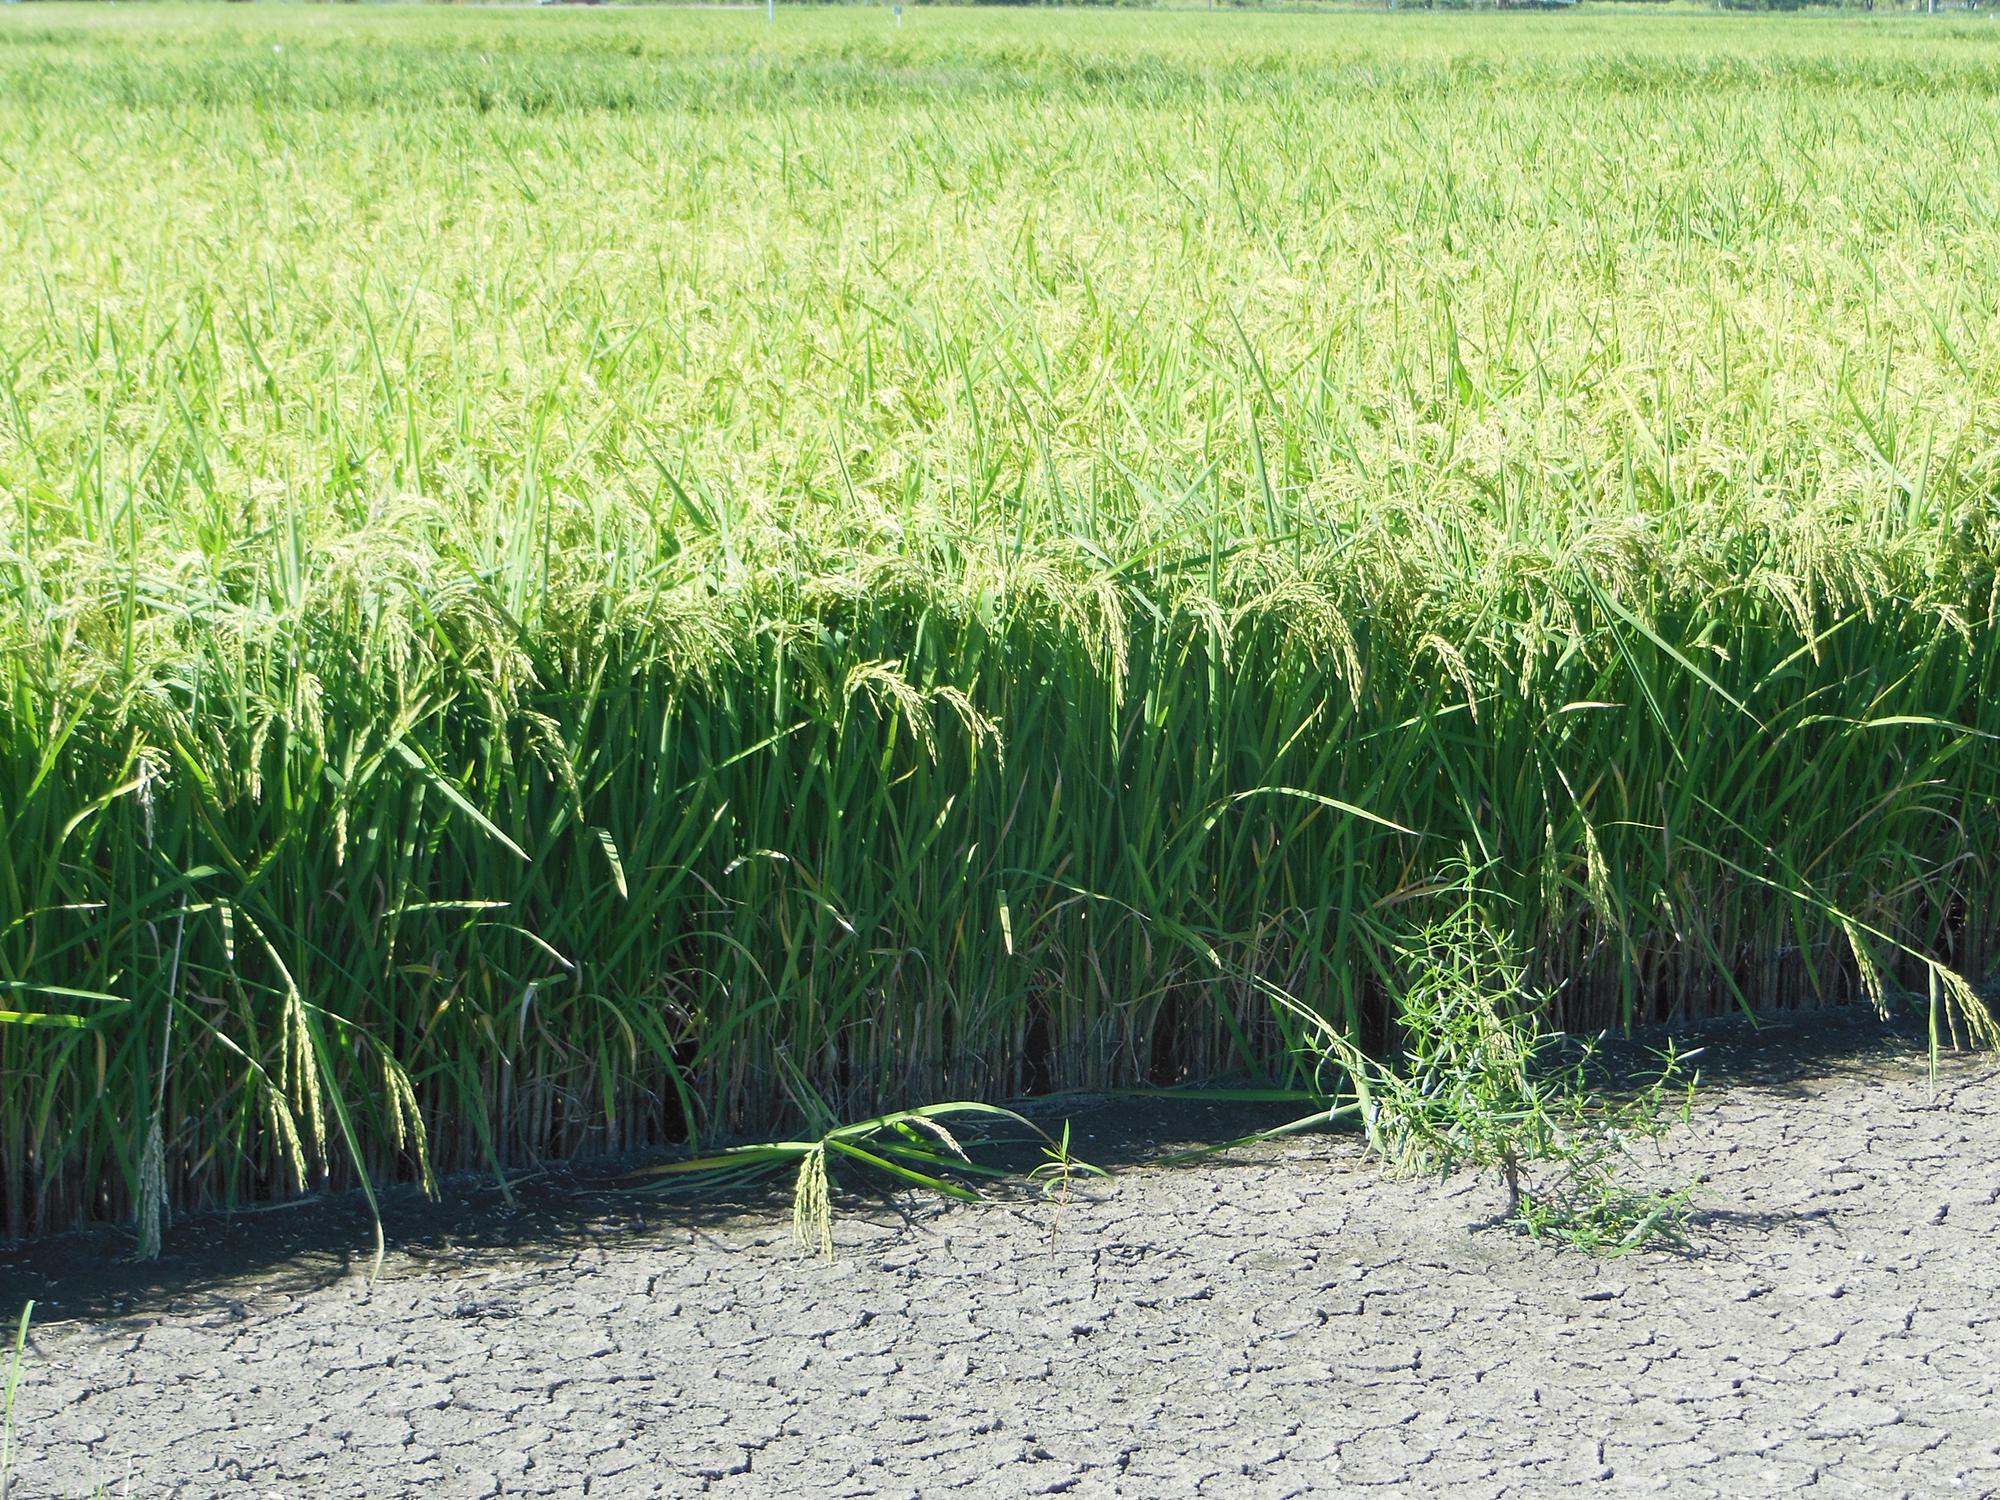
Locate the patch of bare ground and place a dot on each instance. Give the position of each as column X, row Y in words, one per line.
column 1279, row 1322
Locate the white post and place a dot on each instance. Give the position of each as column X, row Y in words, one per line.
column 770, row 12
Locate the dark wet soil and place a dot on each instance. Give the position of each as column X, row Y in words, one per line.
column 1280, row 1321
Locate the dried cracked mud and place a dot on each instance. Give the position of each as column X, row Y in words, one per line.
column 1281, row 1322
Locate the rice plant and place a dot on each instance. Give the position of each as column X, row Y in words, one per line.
column 16, row 1356
column 551, row 562
column 906, row 1148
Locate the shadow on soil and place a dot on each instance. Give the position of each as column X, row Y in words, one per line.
column 316, row 1242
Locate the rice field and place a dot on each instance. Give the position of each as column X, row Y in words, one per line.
column 571, row 581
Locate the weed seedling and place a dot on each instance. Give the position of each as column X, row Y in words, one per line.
column 1478, row 1085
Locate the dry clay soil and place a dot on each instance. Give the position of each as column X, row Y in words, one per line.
column 1282, row 1321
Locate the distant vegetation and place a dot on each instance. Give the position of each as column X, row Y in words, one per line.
column 568, row 578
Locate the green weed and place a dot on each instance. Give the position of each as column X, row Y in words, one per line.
column 1479, row 1085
